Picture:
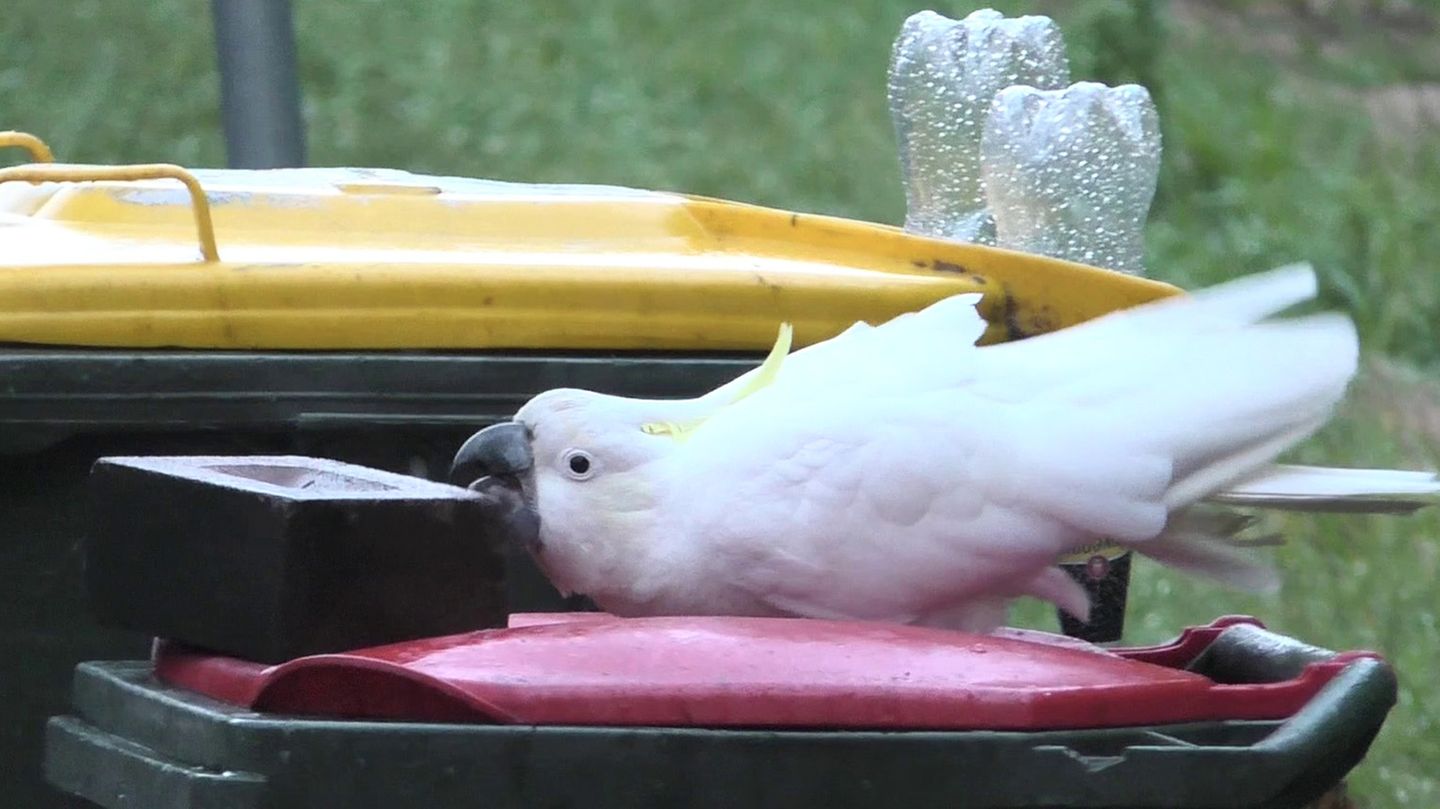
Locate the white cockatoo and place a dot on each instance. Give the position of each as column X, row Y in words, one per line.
column 900, row 473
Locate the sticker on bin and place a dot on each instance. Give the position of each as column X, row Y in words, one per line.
column 749, row 672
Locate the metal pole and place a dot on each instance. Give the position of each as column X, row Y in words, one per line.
column 259, row 91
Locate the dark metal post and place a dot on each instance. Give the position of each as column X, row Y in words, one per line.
column 259, row 90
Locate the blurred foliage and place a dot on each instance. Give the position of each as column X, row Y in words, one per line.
column 1275, row 151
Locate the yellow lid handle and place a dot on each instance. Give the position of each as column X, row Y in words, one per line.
column 39, row 152
column 77, row 173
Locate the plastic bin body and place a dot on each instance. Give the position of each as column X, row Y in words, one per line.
column 379, row 317
column 172, row 748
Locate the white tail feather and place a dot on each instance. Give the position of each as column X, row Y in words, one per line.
column 1204, row 541
column 1218, row 473
column 1318, row 488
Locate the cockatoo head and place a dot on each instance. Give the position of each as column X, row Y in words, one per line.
column 576, row 472
column 578, row 476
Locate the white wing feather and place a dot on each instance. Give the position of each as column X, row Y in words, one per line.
column 967, row 484
column 884, row 355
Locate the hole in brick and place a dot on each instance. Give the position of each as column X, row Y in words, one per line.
column 297, row 477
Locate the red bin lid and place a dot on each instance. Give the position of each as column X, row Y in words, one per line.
column 589, row 669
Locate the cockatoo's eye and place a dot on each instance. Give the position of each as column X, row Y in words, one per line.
column 578, row 464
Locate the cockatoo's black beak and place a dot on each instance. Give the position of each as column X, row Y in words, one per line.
column 494, row 463
column 500, row 449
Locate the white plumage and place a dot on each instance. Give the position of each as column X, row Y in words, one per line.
column 900, row 473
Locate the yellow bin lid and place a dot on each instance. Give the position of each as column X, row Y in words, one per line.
column 158, row 256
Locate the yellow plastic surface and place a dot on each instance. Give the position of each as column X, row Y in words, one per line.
column 361, row 259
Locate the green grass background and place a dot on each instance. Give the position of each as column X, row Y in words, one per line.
column 1270, row 156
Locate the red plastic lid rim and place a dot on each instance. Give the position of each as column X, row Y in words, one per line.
column 592, row 669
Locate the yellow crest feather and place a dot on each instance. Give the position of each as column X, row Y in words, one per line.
column 764, row 376
column 770, row 368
